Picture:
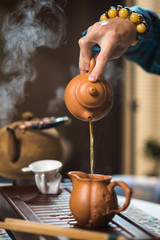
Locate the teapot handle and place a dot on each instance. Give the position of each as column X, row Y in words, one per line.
column 91, row 66
column 128, row 194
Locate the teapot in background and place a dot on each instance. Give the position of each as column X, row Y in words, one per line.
column 29, row 140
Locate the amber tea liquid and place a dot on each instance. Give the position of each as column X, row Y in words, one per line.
column 91, row 146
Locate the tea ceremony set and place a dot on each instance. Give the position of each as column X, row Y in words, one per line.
column 84, row 207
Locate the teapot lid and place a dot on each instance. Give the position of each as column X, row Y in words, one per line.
column 91, row 95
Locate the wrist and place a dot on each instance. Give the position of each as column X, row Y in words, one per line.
column 133, row 16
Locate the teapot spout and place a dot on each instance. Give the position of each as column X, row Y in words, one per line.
column 13, row 145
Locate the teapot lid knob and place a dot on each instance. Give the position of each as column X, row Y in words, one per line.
column 92, row 91
column 91, row 95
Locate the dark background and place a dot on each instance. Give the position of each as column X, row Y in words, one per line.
column 53, row 67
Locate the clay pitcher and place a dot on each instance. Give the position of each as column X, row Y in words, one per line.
column 93, row 201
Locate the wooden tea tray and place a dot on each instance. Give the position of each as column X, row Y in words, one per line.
column 25, row 202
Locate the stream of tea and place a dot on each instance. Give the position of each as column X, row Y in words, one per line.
column 91, row 146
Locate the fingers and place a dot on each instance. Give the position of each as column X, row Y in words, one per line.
column 108, row 38
column 101, row 62
column 102, row 58
column 85, row 54
column 114, row 36
column 82, row 66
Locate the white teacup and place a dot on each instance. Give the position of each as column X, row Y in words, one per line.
column 47, row 176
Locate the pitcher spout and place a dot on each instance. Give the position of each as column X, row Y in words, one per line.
column 76, row 177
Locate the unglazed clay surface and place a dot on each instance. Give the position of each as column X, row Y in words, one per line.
column 93, row 201
column 85, row 99
column 19, row 148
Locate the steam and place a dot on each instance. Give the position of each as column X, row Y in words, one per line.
column 55, row 104
column 113, row 73
column 33, row 24
column 74, row 70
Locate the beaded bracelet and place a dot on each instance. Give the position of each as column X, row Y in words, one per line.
column 133, row 16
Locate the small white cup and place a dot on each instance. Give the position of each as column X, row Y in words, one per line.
column 47, row 176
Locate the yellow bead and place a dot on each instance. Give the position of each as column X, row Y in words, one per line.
column 135, row 42
column 134, row 17
column 112, row 13
column 141, row 28
column 103, row 17
column 123, row 13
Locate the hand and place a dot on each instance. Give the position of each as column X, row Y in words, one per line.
column 114, row 36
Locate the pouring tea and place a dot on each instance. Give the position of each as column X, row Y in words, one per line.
column 89, row 101
column 93, row 201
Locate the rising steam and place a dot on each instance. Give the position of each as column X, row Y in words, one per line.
column 56, row 103
column 33, row 24
column 113, row 73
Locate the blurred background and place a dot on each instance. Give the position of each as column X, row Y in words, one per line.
column 122, row 136
column 141, row 114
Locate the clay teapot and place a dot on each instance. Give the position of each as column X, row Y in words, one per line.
column 85, row 99
column 22, row 143
column 93, row 201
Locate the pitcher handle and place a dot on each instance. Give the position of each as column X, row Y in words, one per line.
column 128, row 194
